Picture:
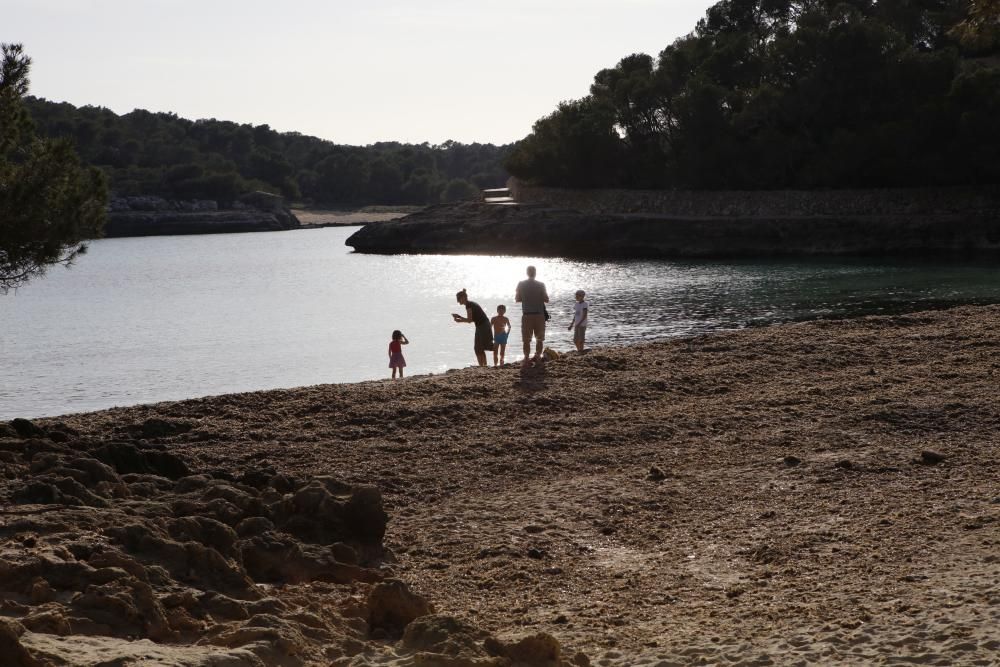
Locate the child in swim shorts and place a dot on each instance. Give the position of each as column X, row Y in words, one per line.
column 501, row 330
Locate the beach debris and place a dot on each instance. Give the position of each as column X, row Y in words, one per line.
column 931, row 457
column 656, row 474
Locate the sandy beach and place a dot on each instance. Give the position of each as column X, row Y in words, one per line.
column 348, row 217
column 816, row 493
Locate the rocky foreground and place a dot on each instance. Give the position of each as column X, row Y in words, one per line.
column 478, row 228
column 813, row 493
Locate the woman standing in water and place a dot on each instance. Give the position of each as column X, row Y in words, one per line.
column 476, row 315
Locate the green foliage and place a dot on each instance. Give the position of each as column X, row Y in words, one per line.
column 788, row 94
column 459, row 190
column 49, row 204
column 161, row 154
column 576, row 146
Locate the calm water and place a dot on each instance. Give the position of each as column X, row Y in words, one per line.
column 160, row 318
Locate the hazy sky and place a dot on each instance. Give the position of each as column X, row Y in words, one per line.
column 352, row 72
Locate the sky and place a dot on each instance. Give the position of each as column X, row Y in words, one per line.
column 351, row 72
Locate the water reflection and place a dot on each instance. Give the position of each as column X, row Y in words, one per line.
column 160, row 318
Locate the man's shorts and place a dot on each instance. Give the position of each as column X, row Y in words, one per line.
column 500, row 338
column 533, row 325
column 579, row 333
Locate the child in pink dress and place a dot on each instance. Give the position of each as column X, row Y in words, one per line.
column 396, row 360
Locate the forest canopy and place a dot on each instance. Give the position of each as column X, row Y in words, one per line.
column 146, row 153
column 771, row 94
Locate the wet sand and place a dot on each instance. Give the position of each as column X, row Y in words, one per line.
column 817, row 493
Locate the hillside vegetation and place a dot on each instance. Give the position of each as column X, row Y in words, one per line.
column 145, row 153
column 769, row 94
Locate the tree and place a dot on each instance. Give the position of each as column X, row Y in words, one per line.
column 980, row 31
column 49, row 204
column 459, row 190
column 767, row 94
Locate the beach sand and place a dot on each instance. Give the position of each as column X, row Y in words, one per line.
column 349, row 217
column 816, row 493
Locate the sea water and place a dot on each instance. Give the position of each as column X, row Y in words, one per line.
column 149, row 319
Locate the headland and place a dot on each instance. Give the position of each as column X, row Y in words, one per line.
column 669, row 224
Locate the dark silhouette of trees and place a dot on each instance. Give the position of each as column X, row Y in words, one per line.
column 770, row 94
column 159, row 153
column 49, row 204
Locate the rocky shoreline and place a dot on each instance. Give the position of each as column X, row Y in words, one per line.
column 519, row 229
column 824, row 492
column 156, row 216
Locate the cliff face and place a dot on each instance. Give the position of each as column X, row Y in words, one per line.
column 154, row 216
column 482, row 229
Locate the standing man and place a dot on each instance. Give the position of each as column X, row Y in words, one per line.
column 532, row 296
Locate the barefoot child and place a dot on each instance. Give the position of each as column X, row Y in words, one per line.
column 501, row 329
column 579, row 323
column 396, row 360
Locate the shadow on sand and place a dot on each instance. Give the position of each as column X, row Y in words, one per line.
column 532, row 377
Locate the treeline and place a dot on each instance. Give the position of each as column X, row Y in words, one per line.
column 773, row 94
column 146, row 153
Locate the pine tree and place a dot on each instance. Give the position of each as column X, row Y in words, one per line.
column 49, row 204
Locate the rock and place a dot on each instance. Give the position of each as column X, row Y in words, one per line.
column 255, row 525
column 26, row 429
column 57, row 491
column 160, row 428
column 444, row 635
column 791, row 461
column 147, row 203
column 391, row 606
column 125, row 457
column 520, row 229
column 198, row 221
column 930, row 457
column 192, row 483
column 258, row 477
column 206, row 531
column 541, row 650
column 656, row 474
column 326, row 510
column 844, row 464
column 13, row 652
